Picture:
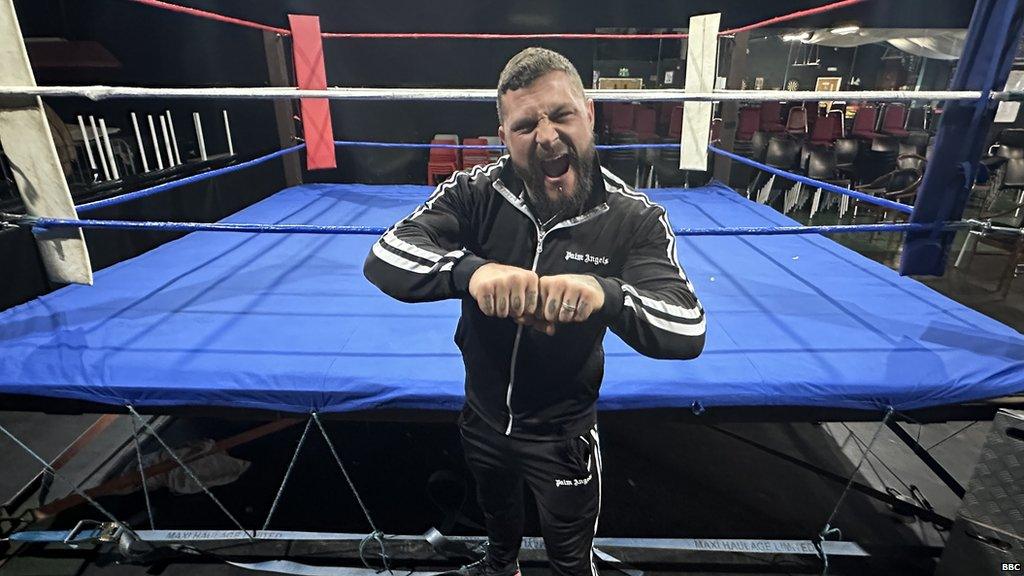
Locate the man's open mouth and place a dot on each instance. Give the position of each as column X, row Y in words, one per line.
column 555, row 167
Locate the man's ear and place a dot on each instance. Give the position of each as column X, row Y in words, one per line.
column 501, row 133
column 590, row 113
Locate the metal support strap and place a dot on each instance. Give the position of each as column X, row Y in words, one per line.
column 828, row 530
column 928, row 459
column 74, row 487
column 188, row 470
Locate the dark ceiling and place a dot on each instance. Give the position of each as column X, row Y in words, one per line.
column 62, row 17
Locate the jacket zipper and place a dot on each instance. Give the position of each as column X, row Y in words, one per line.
column 519, row 332
column 536, row 260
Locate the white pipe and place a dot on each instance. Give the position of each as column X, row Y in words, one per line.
column 488, row 95
column 99, row 148
column 227, row 132
column 199, row 134
column 88, row 146
column 156, row 143
column 167, row 141
column 110, row 149
column 138, row 140
column 174, row 139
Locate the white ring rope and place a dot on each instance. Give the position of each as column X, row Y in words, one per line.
column 489, row 94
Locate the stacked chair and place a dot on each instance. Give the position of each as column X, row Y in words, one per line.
column 894, row 120
column 771, row 114
column 661, row 166
column 663, row 163
column 782, row 152
column 443, row 162
column 1005, row 162
column 748, row 123
column 899, row 185
column 475, row 156
column 881, row 151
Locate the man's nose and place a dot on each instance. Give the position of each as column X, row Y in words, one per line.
column 547, row 136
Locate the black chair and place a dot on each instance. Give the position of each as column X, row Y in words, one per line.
column 623, row 163
column 915, row 143
column 759, row 145
column 1014, row 173
column 783, row 153
column 846, row 151
column 1009, row 145
column 1010, row 245
column 911, row 161
column 1013, row 137
column 876, row 160
column 917, row 120
column 756, row 151
column 884, row 144
column 1013, row 179
column 822, row 165
column 899, row 185
column 666, row 166
column 918, row 139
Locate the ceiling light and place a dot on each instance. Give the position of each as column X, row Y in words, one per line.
column 844, row 30
column 795, row 37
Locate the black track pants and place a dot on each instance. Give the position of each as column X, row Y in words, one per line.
column 565, row 477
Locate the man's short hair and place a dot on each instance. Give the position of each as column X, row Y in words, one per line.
column 529, row 65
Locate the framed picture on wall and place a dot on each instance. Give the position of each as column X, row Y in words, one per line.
column 827, row 84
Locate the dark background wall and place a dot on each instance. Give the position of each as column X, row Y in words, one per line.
column 158, row 48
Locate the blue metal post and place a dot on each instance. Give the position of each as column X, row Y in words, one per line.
column 988, row 54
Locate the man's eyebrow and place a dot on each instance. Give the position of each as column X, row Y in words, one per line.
column 523, row 121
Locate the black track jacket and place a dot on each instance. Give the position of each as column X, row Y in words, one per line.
column 518, row 380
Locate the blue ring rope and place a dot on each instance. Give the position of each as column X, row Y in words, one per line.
column 45, row 223
column 906, row 209
column 88, row 206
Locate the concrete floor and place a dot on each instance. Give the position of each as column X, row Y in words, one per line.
column 663, row 478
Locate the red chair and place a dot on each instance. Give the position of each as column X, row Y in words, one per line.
column 442, row 162
column 864, row 123
column 823, row 133
column 496, row 152
column 894, row 118
column 665, row 116
column 771, row 114
column 675, row 126
column 716, row 130
column 796, row 122
column 749, row 122
column 645, row 124
column 474, row 156
column 838, row 124
column 449, row 139
column 621, row 117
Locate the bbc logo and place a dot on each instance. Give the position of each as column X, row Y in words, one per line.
column 1012, row 567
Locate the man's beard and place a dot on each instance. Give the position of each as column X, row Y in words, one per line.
column 568, row 204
